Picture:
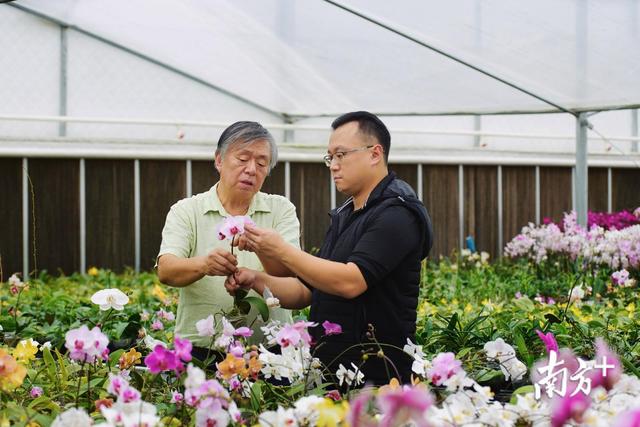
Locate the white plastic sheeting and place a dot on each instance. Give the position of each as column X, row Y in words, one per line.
column 312, row 58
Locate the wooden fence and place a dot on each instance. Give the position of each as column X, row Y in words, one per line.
column 89, row 212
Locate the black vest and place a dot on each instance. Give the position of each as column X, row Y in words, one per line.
column 389, row 307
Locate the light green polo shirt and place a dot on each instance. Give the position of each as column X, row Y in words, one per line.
column 190, row 231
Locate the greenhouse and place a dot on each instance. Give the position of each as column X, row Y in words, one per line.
column 150, row 274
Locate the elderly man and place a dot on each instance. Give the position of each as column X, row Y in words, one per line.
column 366, row 276
column 192, row 257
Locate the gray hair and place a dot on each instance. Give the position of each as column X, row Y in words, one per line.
column 247, row 133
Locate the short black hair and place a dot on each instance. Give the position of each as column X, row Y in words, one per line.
column 369, row 124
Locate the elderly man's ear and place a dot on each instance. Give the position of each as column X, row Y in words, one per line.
column 218, row 162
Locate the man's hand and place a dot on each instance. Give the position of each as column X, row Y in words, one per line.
column 241, row 279
column 220, row 262
column 240, row 242
column 263, row 241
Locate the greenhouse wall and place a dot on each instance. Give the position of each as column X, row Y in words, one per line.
column 65, row 215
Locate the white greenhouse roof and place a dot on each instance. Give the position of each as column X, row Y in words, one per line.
column 314, row 58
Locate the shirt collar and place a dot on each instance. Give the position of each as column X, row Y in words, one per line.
column 375, row 193
column 211, row 203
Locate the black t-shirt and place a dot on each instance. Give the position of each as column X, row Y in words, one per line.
column 385, row 244
column 385, row 240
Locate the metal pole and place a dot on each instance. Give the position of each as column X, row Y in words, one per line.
column 477, row 127
column 419, row 188
column 573, row 188
column 83, row 218
column 332, row 187
column 537, row 190
column 609, row 191
column 461, row 206
column 500, row 213
column 581, row 170
column 189, row 188
column 287, row 180
column 136, row 211
column 62, row 107
column 25, row 218
column 634, row 130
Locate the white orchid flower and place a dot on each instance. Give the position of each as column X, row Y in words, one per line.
column 349, row 377
column 151, row 342
column 110, row 298
column 206, row 327
column 270, row 299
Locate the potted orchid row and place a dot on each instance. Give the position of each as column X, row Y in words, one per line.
column 86, row 384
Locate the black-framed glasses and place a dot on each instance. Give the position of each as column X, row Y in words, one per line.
column 339, row 155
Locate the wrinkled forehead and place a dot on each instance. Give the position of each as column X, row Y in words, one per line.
column 256, row 148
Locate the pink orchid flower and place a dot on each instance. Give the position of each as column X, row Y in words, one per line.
column 162, row 359
column 36, row 391
column 611, row 370
column 569, row 408
column 232, row 226
column 331, row 328
column 404, row 404
column 628, row 418
column 86, row 345
column 549, row 341
column 443, row 367
column 183, row 348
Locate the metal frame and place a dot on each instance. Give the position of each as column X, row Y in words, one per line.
column 189, row 184
column 25, row 218
column 477, row 127
column 287, row 126
column 64, row 61
column 537, row 194
column 500, row 213
column 136, row 211
column 609, row 191
column 149, row 59
column 419, row 189
column 287, row 180
column 579, row 171
column 581, row 182
column 461, row 205
column 634, row 130
column 332, row 189
column 83, row 217
column 573, row 188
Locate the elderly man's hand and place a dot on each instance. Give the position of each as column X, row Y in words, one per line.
column 241, row 279
column 220, row 262
column 263, row 241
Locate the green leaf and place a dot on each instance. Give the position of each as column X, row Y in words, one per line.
column 260, row 305
column 452, row 322
column 463, row 352
column 64, row 373
column 44, row 402
column 50, row 363
column 256, row 396
column 630, row 366
column 119, row 329
column 552, row 318
column 521, row 390
column 488, row 376
column 522, row 348
column 114, row 357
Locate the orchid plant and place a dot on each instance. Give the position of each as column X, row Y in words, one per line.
column 229, row 229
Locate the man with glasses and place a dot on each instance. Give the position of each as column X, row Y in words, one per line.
column 367, row 273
